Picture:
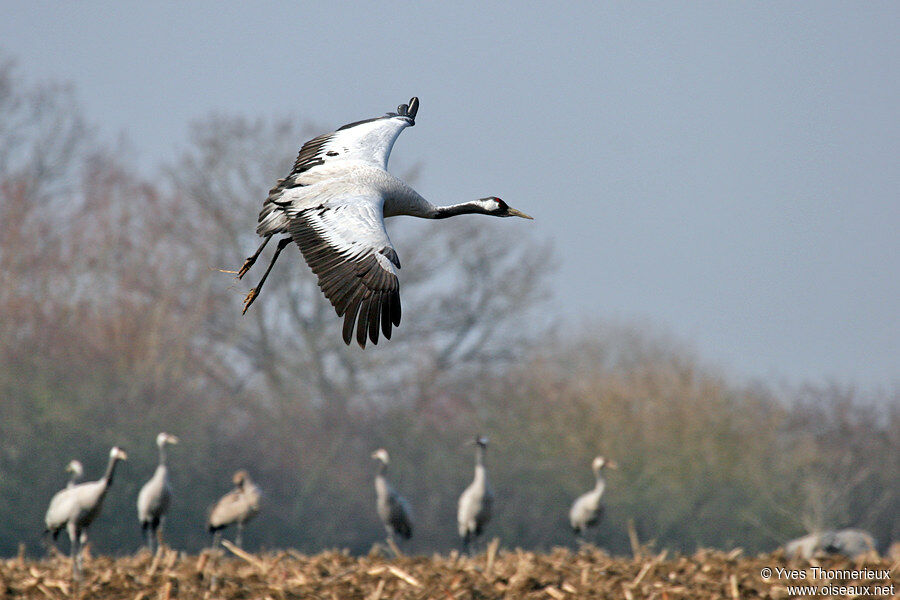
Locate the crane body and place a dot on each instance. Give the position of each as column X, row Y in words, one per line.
column 155, row 496
column 392, row 508
column 476, row 502
column 333, row 205
column 587, row 509
column 76, row 507
column 237, row 507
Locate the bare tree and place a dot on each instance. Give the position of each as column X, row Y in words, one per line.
column 844, row 451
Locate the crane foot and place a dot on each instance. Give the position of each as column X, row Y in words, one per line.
column 249, row 299
column 246, row 266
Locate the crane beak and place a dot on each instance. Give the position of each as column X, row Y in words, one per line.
column 172, row 439
column 612, row 464
column 512, row 212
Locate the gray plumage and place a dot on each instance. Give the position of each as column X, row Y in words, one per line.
column 236, row 507
column 846, row 542
column 804, row 547
column 155, row 496
column 76, row 507
column 333, row 205
column 476, row 502
column 55, row 517
column 392, row 508
column 587, row 509
column 851, row 542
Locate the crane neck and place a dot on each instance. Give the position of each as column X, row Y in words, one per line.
column 401, row 199
column 162, row 455
column 600, row 482
column 479, row 456
column 110, row 470
column 480, row 471
column 452, row 210
column 480, row 474
column 381, row 485
column 380, row 470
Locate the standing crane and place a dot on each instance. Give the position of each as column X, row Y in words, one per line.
column 393, row 509
column 587, row 510
column 155, row 496
column 76, row 507
column 75, row 470
column 235, row 508
column 476, row 501
column 333, row 205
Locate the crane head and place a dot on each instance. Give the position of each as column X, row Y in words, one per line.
column 165, row 438
column 117, row 453
column 382, row 455
column 601, row 462
column 240, row 477
column 480, row 440
column 493, row 205
column 75, row 468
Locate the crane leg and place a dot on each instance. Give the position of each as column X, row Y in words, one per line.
column 392, row 544
column 214, row 556
column 240, row 535
column 75, row 550
column 255, row 291
column 158, row 532
column 248, row 262
column 149, row 529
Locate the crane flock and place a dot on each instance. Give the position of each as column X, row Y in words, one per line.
column 77, row 505
column 333, row 205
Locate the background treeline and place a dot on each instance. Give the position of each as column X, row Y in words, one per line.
column 115, row 324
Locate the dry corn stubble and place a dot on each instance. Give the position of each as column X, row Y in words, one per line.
column 503, row 574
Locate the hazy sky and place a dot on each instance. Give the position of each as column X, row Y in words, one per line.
column 728, row 171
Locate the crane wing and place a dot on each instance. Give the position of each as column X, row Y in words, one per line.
column 369, row 141
column 346, row 245
column 226, row 511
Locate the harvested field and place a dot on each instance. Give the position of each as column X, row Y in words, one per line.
column 557, row 575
